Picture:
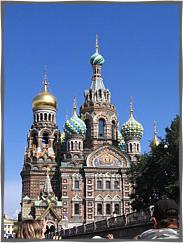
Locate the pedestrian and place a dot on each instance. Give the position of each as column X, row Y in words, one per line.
column 165, row 220
column 30, row 229
column 109, row 236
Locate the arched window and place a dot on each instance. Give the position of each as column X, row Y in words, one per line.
column 34, row 139
column 41, row 116
column 137, row 147
column 79, row 145
column 117, row 208
column 88, row 128
column 100, row 93
column 108, row 208
column 130, row 148
column 49, row 117
column 71, row 145
column 45, row 138
column 101, row 127
column 75, row 145
column 76, row 209
column 134, row 146
column 113, row 129
column 37, row 117
column 45, row 116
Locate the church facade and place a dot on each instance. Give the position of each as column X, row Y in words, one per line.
column 78, row 175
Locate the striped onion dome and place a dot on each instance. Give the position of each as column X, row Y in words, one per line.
column 132, row 129
column 75, row 125
column 96, row 59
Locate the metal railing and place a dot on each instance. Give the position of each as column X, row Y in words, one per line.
column 113, row 222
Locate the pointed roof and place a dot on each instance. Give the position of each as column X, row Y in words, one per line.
column 155, row 141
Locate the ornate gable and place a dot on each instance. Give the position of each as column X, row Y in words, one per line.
column 107, row 156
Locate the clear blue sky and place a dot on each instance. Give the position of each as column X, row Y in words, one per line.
column 140, row 43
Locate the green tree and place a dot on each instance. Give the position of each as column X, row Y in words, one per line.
column 156, row 175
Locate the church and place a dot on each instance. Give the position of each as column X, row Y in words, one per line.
column 78, row 175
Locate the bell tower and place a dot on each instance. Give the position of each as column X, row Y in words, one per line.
column 98, row 113
column 42, row 147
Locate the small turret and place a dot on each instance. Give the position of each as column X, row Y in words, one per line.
column 132, row 132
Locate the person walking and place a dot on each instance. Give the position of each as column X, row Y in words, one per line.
column 165, row 220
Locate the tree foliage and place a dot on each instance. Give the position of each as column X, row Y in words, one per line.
column 156, row 175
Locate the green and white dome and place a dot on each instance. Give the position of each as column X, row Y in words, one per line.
column 96, row 59
column 75, row 125
column 132, row 129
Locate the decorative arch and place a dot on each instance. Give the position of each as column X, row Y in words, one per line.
column 116, row 198
column 107, row 198
column 99, row 198
column 108, row 156
column 76, row 198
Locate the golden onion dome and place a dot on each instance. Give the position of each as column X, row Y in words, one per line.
column 44, row 99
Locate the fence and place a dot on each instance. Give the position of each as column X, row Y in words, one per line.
column 111, row 223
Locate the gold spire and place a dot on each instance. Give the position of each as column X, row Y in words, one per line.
column 45, row 83
column 155, row 140
column 131, row 105
column 75, row 107
column 97, row 46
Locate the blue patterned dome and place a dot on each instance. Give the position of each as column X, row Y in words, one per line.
column 75, row 125
column 132, row 129
column 121, row 141
column 96, row 59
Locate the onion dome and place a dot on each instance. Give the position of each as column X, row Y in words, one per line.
column 75, row 125
column 132, row 129
column 44, row 99
column 96, row 58
column 121, row 141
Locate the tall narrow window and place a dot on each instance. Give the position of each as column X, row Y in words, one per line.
column 101, row 127
column 71, row 145
column 130, row 147
column 99, row 209
column 49, row 117
column 76, row 184
column 108, row 184
column 100, row 93
column 113, row 129
column 137, row 147
column 75, row 145
column 116, row 208
column 99, row 184
column 34, row 140
column 45, row 116
column 108, row 208
column 116, row 185
column 76, row 209
column 88, row 128
column 41, row 116
column 79, row 145
column 45, row 138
